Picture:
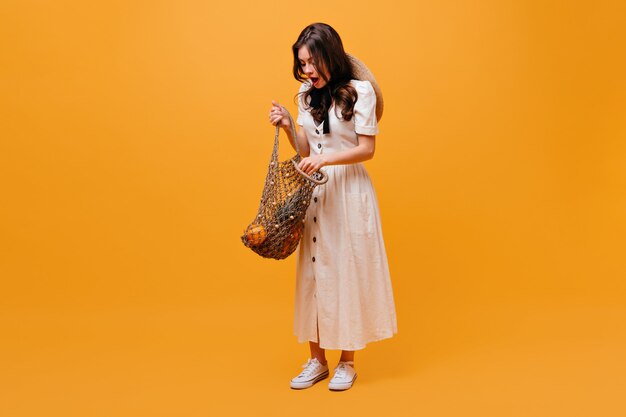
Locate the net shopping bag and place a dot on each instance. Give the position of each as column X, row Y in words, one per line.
column 277, row 228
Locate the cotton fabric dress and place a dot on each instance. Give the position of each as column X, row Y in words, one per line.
column 343, row 285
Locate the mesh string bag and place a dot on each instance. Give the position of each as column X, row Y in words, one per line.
column 277, row 228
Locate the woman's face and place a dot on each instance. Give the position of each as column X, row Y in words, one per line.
column 306, row 63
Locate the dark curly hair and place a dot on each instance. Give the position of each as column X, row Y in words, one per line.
column 326, row 48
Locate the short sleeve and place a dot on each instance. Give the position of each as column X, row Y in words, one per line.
column 365, row 122
column 301, row 111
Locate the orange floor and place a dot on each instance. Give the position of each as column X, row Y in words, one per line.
column 513, row 361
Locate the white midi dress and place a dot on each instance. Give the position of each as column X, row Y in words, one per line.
column 343, row 285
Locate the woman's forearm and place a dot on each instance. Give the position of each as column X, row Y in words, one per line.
column 304, row 146
column 360, row 153
column 289, row 134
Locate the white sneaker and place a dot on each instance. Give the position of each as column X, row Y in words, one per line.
column 344, row 377
column 313, row 372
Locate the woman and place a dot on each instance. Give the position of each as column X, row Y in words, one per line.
column 344, row 297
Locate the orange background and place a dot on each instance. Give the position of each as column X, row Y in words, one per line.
column 134, row 143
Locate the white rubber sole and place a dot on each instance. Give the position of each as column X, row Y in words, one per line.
column 307, row 384
column 341, row 386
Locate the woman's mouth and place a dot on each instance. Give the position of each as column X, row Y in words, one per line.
column 314, row 80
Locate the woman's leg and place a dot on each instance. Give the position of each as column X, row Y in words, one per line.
column 347, row 355
column 318, row 352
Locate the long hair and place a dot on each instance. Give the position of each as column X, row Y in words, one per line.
column 326, row 49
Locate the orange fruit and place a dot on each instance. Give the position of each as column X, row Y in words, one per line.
column 255, row 234
column 292, row 240
column 296, row 235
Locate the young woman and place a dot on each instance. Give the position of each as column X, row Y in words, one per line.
column 344, row 297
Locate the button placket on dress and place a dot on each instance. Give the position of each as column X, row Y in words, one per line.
column 315, row 224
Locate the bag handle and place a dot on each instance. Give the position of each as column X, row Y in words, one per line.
column 295, row 164
column 324, row 179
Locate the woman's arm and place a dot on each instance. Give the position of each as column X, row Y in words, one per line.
column 279, row 114
column 362, row 152
column 302, row 140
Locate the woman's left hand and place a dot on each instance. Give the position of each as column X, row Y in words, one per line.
column 310, row 164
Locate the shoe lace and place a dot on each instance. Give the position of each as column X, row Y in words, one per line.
column 341, row 370
column 309, row 367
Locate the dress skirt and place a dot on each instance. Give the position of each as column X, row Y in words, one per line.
column 343, row 286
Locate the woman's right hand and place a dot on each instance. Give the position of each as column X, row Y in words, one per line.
column 280, row 115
